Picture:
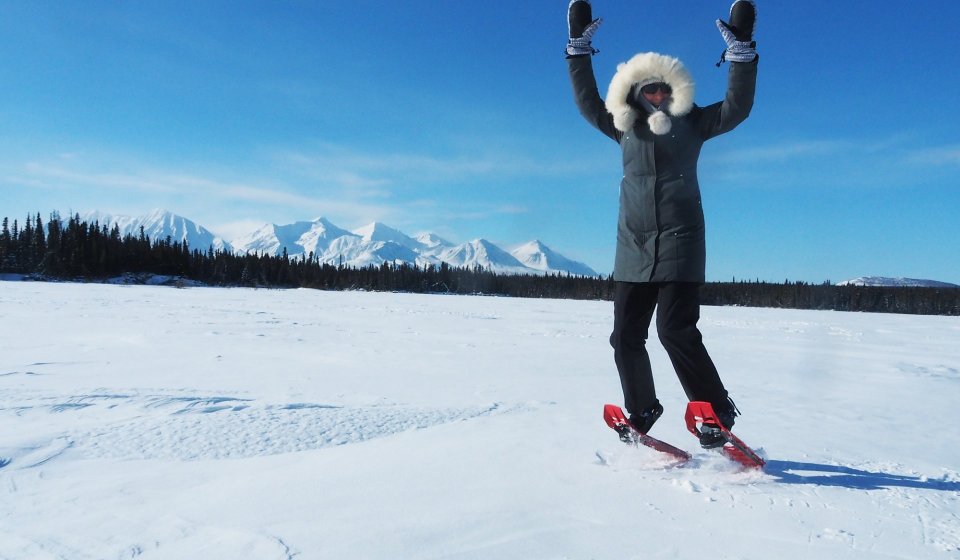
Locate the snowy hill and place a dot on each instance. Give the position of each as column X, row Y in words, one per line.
column 481, row 252
column 431, row 247
column 538, row 256
column 432, row 241
column 896, row 282
column 299, row 238
column 160, row 224
column 226, row 424
column 380, row 232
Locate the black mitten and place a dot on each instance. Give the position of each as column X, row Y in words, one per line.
column 579, row 16
column 743, row 17
column 738, row 34
column 580, row 27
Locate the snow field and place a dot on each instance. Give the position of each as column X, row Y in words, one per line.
column 146, row 422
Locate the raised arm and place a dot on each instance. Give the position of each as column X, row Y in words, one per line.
column 742, row 77
column 581, row 26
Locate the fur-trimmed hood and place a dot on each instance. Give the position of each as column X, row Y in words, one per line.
column 643, row 69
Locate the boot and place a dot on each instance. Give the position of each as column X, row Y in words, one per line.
column 710, row 435
column 644, row 420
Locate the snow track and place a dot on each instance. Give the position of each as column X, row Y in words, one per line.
column 231, row 432
column 210, row 427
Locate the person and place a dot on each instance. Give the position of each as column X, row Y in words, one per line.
column 660, row 257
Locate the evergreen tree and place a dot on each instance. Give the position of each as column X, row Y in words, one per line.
column 6, row 247
column 80, row 250
column 38, row 245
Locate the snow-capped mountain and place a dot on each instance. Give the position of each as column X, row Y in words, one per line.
column 299, row 238
column 896, row 282
column 432, row 247
column 377, row 243
column 160, row 224
column 378, row 232
column 373, row 244
column 481, row 252
column 432, row 241
column 538, row 256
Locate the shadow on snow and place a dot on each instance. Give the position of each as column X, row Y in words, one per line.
column 792, row 472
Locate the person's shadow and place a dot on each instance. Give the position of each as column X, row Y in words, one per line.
column 794, row 472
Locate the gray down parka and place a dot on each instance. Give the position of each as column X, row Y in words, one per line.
column 660, row 231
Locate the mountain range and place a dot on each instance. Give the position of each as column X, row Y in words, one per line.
column 373, row 244
column 896, row 282
column 377, row 243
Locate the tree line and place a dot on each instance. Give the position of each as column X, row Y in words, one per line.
column 75, row 250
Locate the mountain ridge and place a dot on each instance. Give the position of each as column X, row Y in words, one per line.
column 371, row 245
column 887, row 282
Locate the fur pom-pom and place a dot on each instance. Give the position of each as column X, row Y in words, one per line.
column 659, row 123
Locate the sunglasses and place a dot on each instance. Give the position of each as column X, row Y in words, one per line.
column 651, row 89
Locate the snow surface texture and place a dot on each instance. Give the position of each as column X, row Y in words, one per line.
column 148, row 422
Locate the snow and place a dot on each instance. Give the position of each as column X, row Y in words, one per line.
column 377, row 231
column 158, row 225
column 882, row 281
column 371, row 245
column 538, row 256
column 151, row 422
column 481, row 252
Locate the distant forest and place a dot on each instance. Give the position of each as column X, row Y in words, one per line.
column 77, row 251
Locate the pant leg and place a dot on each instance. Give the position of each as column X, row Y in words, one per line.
column 633, row 306
column 677, row 315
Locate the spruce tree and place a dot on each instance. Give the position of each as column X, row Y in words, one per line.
column 6, row 247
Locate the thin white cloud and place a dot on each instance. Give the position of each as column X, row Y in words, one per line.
column 891, row 161
column 348, row 186
column 137, row 184
column 787, row 151
column 480, row 213
column 352, row 168
column 946, row 155
column 56, row 175
column 151, row 182
column 818, row 148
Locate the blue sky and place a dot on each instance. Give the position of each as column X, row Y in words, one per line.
column 457, row 117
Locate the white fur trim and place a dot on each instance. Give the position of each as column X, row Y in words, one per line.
column 647, row 68
column 659, row 123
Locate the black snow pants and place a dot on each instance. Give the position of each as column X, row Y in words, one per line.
column 678, row 311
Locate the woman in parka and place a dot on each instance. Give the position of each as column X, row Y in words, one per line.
column 661, row 255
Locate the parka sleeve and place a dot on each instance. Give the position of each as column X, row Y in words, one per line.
column 724, row 116
column 588, row 98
